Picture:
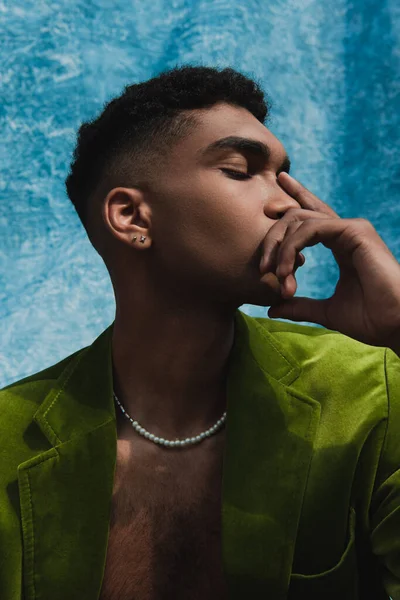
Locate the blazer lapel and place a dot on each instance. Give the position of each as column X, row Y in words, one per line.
column 269, row 443
column 66, row 491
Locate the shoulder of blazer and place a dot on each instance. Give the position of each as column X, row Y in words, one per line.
column 306, row 340
column 20, row 400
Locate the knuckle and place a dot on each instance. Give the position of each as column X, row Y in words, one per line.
column 364, row 222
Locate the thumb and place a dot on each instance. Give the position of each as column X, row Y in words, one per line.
column 301, row 309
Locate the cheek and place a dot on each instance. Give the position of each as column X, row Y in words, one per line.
column 213, row 231
column 228, row 246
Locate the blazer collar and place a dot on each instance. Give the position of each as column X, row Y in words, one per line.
column 66, row 491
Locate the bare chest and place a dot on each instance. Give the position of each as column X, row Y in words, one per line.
column 165, row 528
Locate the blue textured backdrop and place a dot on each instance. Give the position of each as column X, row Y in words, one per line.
column 330, row 68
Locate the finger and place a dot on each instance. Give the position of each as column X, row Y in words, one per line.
column 289, row 284
column 284, row 258
column 304, row 197
column 306, row 234
column 277, row 233
column 300, row 260
column 302, row 309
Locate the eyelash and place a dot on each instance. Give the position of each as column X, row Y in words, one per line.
column 237, row 175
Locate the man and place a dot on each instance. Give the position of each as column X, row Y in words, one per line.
column 192, row 451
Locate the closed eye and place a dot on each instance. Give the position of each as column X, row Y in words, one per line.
column 240, row 176
column 237, row 174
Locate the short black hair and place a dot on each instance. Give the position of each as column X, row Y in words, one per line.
column 127, row 142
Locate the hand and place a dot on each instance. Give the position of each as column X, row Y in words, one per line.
column 366, row 301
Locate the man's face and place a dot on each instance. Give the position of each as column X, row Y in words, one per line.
column 208, row 225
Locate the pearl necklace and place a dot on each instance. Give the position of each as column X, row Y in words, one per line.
column 170, row 443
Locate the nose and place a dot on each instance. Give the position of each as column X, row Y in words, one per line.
column 277, row 205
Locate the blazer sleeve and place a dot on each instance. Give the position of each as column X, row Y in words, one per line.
column 385, row 518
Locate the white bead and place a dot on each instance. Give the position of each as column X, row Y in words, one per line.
column 175, row 443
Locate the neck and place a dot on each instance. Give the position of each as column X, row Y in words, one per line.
column 170, row 370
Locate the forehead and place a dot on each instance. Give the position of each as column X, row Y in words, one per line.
column 222, row 121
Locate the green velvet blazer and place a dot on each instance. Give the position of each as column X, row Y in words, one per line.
column 311, row 474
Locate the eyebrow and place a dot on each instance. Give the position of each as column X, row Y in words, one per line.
column 244, row 145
